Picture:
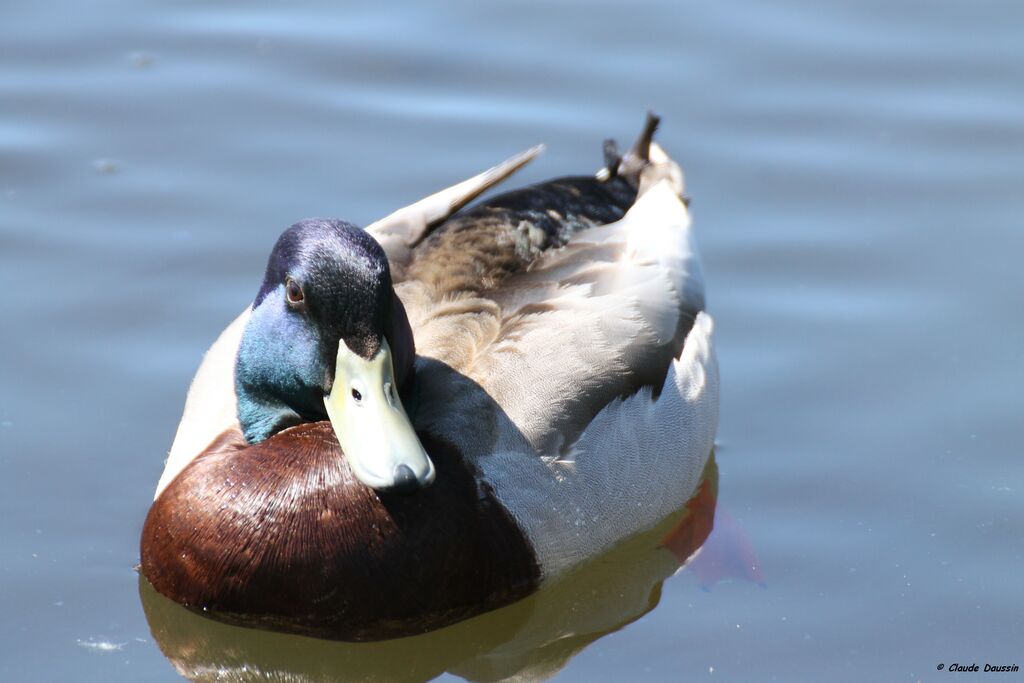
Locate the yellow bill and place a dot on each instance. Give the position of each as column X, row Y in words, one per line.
column 371, row 424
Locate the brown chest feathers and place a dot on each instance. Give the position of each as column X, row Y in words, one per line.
column 281, row 535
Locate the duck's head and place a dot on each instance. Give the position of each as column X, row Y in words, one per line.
column 329, row 339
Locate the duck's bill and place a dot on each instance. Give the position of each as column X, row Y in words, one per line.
column 372, row 427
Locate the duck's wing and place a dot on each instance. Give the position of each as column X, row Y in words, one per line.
column 399, row 232
column 585, row 389
column 597, row 320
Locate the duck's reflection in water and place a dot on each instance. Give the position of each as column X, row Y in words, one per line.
column 531, row 640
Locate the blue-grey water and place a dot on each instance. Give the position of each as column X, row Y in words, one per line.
column 857, row 174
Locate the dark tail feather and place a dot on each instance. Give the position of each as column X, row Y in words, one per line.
column 633, row 163
column 642, row 147
column 612, row 158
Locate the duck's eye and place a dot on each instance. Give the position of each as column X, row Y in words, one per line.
column 356, row 395
column 293, row 290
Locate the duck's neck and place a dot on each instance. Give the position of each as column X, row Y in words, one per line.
column 278, row 385
column 403, row 350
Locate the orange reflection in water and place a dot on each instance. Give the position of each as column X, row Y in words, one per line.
column 712, row 543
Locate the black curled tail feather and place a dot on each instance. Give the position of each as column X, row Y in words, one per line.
column 632, row 164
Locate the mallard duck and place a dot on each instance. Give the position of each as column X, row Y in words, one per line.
column 426, row 419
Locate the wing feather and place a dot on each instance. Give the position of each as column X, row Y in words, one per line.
column 399, row 231
column 593, row 321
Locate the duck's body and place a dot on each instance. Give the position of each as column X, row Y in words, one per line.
column 564, row 388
